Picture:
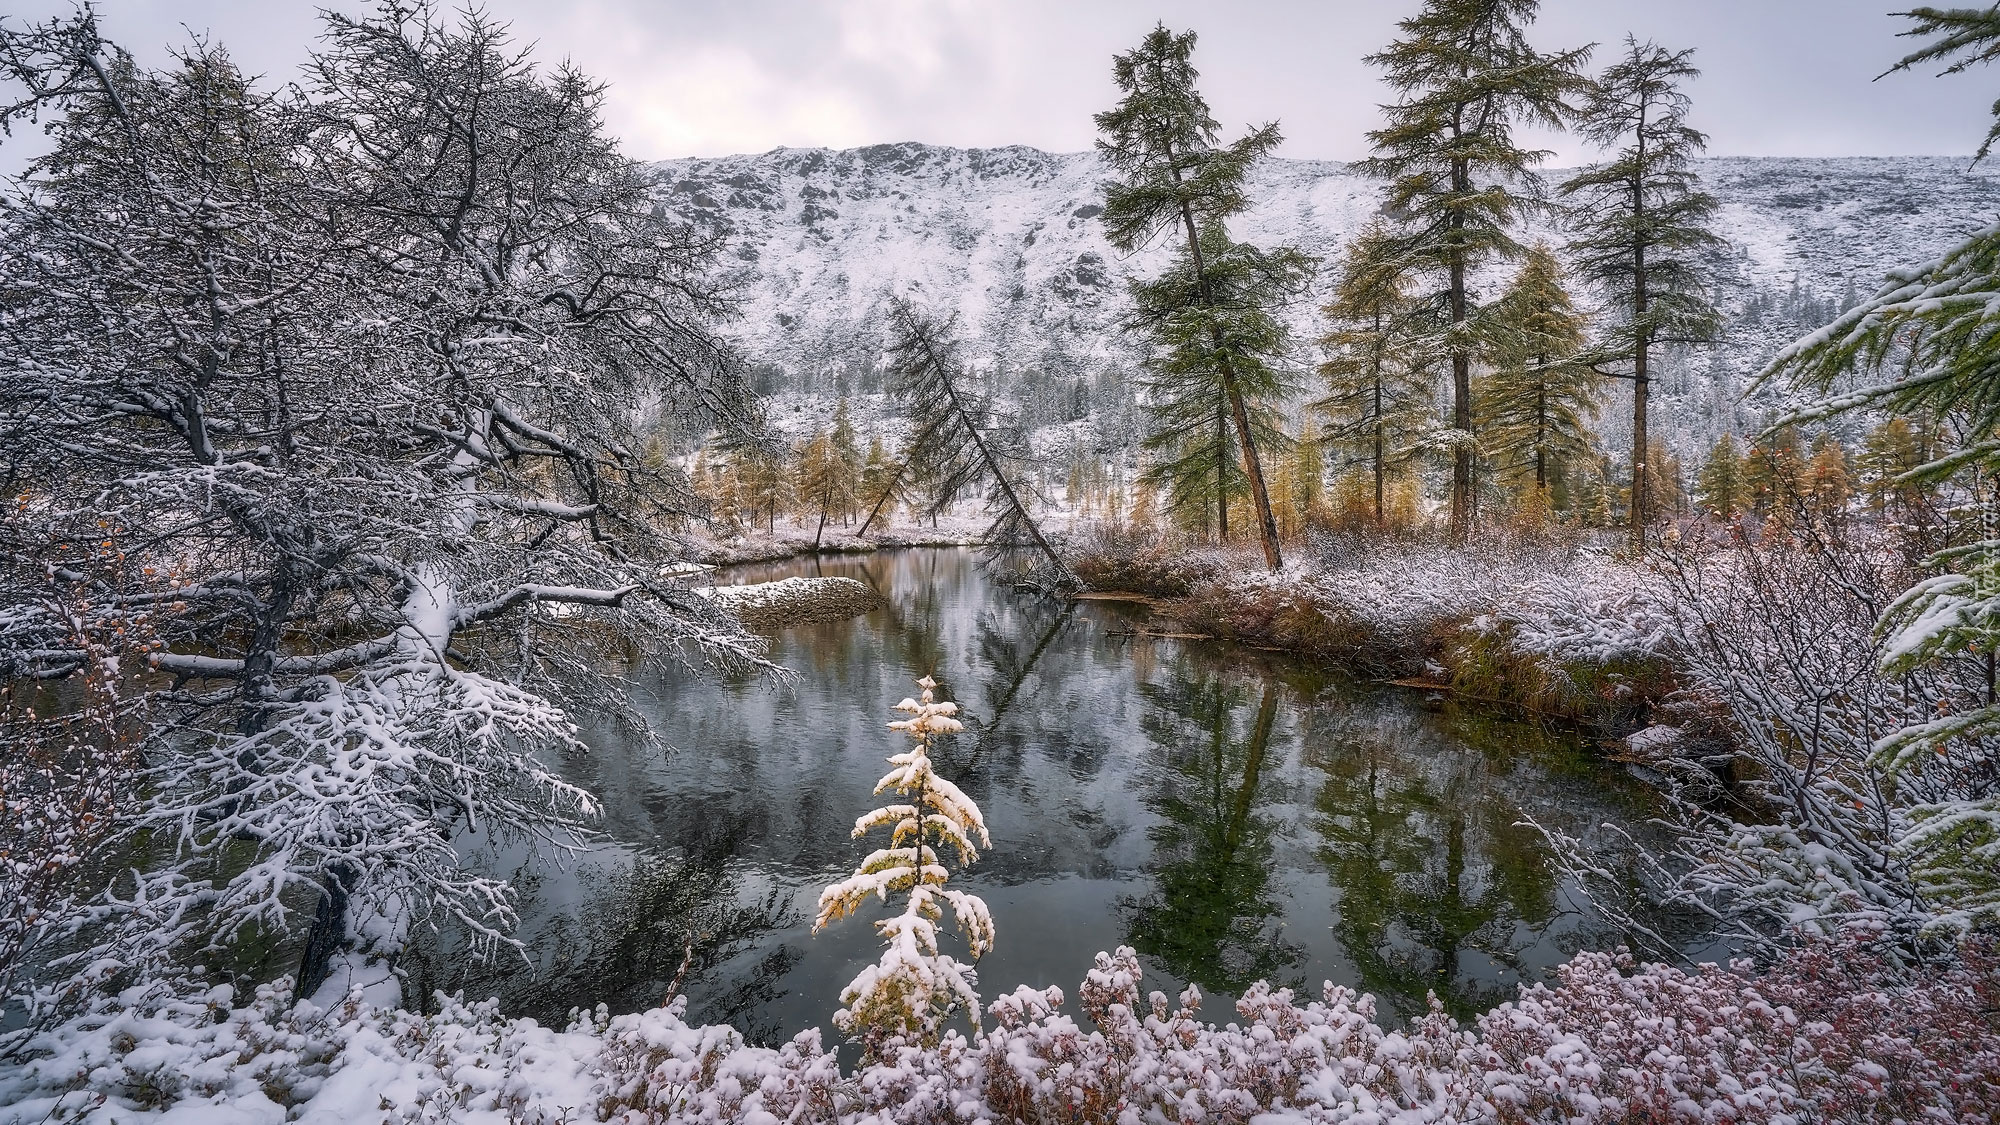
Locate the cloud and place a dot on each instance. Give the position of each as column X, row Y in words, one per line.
column 705, row 78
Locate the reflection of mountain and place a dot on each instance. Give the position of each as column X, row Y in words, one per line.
column 1432, row 868
column 1212, row 919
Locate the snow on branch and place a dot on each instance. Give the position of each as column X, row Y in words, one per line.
column 914, row 988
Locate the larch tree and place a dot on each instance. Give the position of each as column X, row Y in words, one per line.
column 1774, row 471
column 1380, row 401
column 1719, row 486
column 846, row 453
column 824, row 483
column 884, row 482
column 959, row 441
column 915, row 987
column 1465, row 76
column 1643, row 228
column 1218, row 343
column 1195, row 447
column 1536, row 403
column 764, row 483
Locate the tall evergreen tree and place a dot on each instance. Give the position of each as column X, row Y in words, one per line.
column 1196, row 447
column 1380, row 402
column 1643, row 222
column 1534, row 405
column 845, row 450
column 1211, row 315
column 1465, row 76
column 1719, row 486
column 824, row 483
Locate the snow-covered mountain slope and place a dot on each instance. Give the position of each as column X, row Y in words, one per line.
column 1008, row 239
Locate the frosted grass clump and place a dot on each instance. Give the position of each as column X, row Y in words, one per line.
column 914, row 988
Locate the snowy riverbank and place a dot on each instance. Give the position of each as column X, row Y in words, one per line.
column 795, row 601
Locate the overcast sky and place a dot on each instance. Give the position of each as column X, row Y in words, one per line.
column 714, row 77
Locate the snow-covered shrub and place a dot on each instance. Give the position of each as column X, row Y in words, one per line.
column 1776, row 630
column 914, row 988
column 1140, row 559
column 1829, row 1033
column 70, row 765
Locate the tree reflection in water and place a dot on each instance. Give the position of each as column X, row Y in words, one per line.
column 1213, row 918
column 1439, row 885
column 615, row 930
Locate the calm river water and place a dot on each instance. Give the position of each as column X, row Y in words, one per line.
column 1232, row 815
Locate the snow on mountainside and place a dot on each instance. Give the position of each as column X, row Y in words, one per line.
column 1008, row 239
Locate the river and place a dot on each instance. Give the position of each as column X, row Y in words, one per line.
column 1231, row 814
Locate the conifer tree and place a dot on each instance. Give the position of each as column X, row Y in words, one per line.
column 846, row 452
column 1663, row 479
column 1829, row 485
column 1380, row 403
column 825, row 482
column 1465, row 76
column 1533, row 406
column 1643, row 227
column 1719, row 486
column 959, row 440
column 764, row 484
column 1891, row 452
column 1307, row 470
column 915, row 987
column 1774, row 471
column 1210, row 316
column 882, row 482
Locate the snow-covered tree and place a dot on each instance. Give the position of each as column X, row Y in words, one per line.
column 1211, row 317
column 914, row 988
column 1465, row 76
column 1643, row 228
column 351, row 373
column 1931, row 338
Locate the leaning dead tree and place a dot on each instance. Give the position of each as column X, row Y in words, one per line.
column 957, row 442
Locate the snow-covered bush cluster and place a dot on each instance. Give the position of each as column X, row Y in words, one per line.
column 1828, row 1034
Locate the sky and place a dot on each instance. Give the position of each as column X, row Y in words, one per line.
column 717, row 77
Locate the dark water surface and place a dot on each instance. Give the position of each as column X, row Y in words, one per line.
column 1232, row 815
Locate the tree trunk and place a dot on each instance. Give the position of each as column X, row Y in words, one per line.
column 1221, row 476
column 1641, row 341
column 328, row 931
column 1461, row 376
column 1542, row 428
column 1267, row 524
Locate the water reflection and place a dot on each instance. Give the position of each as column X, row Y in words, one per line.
column 1231, row 816
column 1213, row 918
column 1439, row 883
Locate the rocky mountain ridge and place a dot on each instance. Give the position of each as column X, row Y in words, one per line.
column 1007, row 240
